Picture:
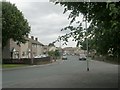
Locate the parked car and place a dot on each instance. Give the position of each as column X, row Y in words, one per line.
column 64, row 57
column 36, row 57
column 82, row 57
column 41, row 56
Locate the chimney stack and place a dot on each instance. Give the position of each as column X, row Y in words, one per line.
column 32, row 37
column 36, row 39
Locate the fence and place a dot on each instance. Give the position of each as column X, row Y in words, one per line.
column 26, row 61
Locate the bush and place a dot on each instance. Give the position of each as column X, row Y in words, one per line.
column 54, row 54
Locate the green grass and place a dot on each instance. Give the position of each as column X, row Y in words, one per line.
column 13, row 65
column 22, row 65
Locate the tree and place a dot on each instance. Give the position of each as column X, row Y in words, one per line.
column 51, row 44
column 54, row 54
column 104, row 26
column 57, row 53
column 14, row 25
column 51, row 53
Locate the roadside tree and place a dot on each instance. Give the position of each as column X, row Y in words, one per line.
column 104, row 29
column 14, row 25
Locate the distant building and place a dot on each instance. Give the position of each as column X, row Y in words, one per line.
column 45, row 49
column 51, row 47
column 68, row 50
column 73, row 50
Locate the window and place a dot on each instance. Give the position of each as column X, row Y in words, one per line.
column 23, row 54
column 11, row 55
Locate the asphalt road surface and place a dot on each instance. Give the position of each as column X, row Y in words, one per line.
column 69, row 73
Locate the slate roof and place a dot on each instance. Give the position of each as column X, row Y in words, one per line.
column 34, row 41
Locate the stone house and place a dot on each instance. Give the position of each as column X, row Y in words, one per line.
column 52, row 47
column 31, row 48
column 32, row 45
column 11, row 50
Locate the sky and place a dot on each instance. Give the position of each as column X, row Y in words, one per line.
column 46, row 20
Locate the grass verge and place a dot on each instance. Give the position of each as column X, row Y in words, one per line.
column 23, row 65
column 13, row 65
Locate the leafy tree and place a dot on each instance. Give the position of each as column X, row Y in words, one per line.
column 57, row 54
column 51, row 44
column 14, row 25
column 54, row 54
column 51, row 53
column 104, row 29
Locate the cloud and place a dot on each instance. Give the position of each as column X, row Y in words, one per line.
column 45, row 18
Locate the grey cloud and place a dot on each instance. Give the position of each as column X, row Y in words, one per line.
column 38, row 9
column 46, row 20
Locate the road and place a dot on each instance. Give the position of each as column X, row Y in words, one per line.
column 69, row 73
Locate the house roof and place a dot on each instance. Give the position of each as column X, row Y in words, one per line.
column 34, row 41
column 51, row 44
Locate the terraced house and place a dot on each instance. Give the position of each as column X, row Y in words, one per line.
column 31, row 48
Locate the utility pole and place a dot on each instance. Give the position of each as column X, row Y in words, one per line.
column 87, row 37
column 87, row 44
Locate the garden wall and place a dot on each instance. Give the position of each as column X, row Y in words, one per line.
column 26, row 60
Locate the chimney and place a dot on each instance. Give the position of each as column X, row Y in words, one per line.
column 36, row 39
column 32, row 37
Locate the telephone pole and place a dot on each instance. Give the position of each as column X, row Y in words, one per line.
column 87, row 44
column 87, row 36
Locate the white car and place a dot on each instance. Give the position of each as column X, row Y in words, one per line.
column 40, row 56
column 82, row 57
column 37, row 56
column 64, row 57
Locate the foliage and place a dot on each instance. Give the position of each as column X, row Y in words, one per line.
column 51, row 44
column 50, row 53
column 57, row 54
column 104, row 29
column 54, row 54
column 14, row 25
